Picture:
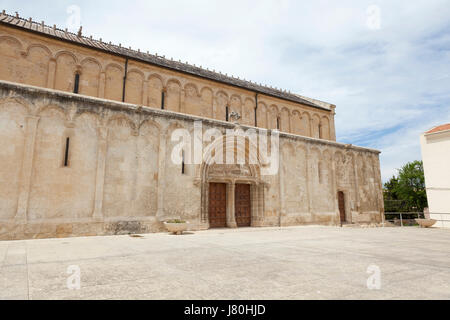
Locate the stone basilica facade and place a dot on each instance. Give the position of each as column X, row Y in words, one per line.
column 86, row 132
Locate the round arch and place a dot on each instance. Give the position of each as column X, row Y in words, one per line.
column 232, row 175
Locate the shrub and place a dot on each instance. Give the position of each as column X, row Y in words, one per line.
column 176, row 221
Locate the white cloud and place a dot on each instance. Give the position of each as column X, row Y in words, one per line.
column 388, row 84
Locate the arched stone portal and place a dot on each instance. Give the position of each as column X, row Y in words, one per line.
column 238, row 179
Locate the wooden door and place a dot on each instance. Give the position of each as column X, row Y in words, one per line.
column 217, row 205
column 341, row 198
column 243, row 205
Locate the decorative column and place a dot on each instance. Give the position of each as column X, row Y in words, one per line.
column 231, row 215
column 102, row 133
column 261, row 204
column 332, row 125
column 205, row 203
column 309, row 182
column 356, row 181
column 257, row 202
column 51, row 73
column 161, row 174
column 182, row 101
column 27, row 168
column 254, row 203
column 145, row 93
column 311, row 128
column 281, row 188
column 101, row 85
column 214, row 107
column 334, row 187
column 379, row 186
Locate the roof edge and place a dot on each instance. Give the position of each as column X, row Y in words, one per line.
column 160, row 61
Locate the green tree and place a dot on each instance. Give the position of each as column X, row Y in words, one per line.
column 389, row 189
column 408, row 186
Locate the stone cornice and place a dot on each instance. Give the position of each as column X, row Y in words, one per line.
column 7, row 89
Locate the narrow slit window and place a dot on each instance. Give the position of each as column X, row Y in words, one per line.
column 163, row 96
column 76, row 87
column 278, row 123
column 227, row 116
column 66, row 152
column 183, row 166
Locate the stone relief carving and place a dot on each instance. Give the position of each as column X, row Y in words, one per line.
column 234, row 170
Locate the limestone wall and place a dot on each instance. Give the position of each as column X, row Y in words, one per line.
column 119, row 177
column 36, row 60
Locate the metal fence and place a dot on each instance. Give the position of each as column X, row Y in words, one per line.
column 401, row 209
column 403, row 216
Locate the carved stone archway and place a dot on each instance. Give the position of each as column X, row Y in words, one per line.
column 232, row 174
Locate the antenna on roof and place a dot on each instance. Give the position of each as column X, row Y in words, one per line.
column 80, row 32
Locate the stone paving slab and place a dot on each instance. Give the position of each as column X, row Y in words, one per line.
column 267, row 263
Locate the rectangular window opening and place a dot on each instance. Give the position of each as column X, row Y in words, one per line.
column 76, row 87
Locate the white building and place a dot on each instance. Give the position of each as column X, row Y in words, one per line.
column 436, row 160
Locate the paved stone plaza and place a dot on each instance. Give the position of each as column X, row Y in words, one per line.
column 272, row 263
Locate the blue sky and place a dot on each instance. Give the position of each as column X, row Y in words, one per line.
column 388, row 70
